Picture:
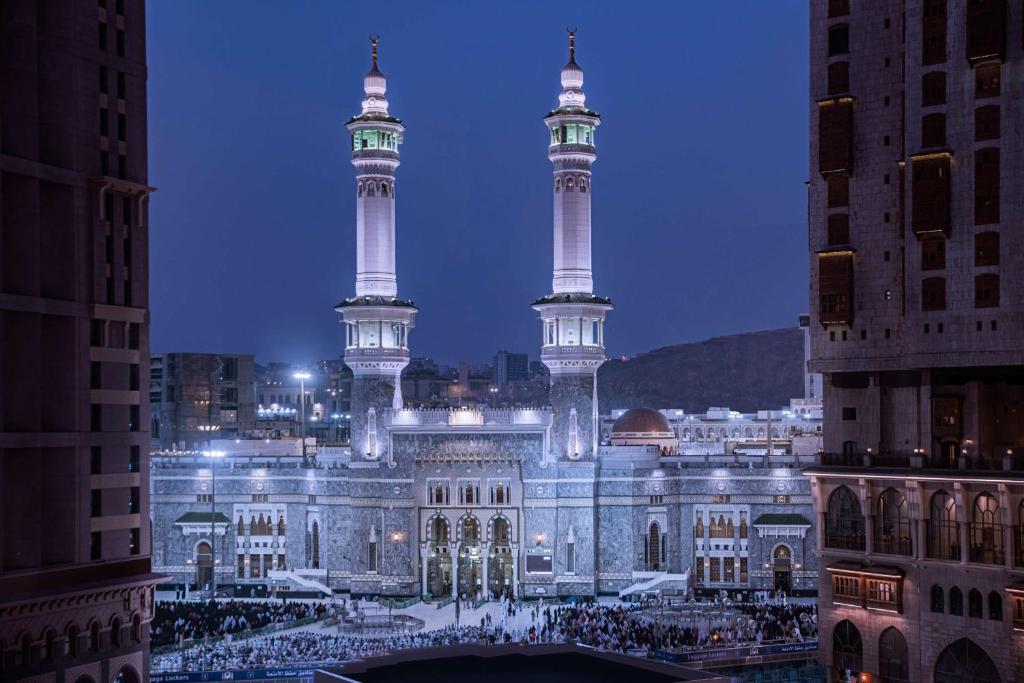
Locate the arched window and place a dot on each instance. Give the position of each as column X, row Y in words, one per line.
column 23, row 657
column 847, row 647
column 654, row 547
column 744, row 530
column 975, row 605
column 558, row 185
column 241, row 526
column 469, row 494
column 499, row 495
column 439, row 531
column 115, row 632
column 280, row 526
column 383, row 189
column 943, row 533
column 938, row 599
column 698, row 527
column 371, row 190
column 713, row 527
column 956, row 601
column 583, row 185
column 316, row 545
column 995, row 606
column 71, row 641
column 499, row 530
column 470, row 530
column 94, row 637
column 893, row 656
column 253, row 529
column 730, row 530
column 986, row 531
column 892, row 524
column 844, row 523
column 137, row 629
column 965, row 661
column 569, row 183
column 49, row 651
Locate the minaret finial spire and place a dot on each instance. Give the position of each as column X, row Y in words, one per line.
column 374, row 38
column 571, row 30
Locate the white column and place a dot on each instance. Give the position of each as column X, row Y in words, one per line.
column 424, row 561
column 485, row 585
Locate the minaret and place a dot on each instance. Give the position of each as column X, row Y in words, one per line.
column 377, row 322
column 572, row 315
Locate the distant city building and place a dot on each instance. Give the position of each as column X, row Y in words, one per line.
column 916, row 180
column 511, row 367
column 76, row 589
column 481, row 501
column 197, row 397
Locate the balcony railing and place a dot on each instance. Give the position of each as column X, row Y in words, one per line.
column 943, row 540
column 844, row 541
column 892, row 545
column 987, row 543
column 1010, row 462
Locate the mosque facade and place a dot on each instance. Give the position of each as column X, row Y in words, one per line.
column 441, row 503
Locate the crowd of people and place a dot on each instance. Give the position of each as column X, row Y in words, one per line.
column 174, row 622
column 633, row 629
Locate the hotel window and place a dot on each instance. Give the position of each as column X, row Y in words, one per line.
column 986, row 186
column 986, row 80
column 838, row 229
column 933, row 88
column 838, row 78
column 933, row 32
column 933, row 294
column 933, row 130
column 933, row 253
column 986, row 249
column 986, row 290
column 986, row 122
column 838, row 40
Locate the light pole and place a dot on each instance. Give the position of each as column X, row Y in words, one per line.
column 213, row 455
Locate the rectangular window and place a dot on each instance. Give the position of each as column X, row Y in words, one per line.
column 838, row 8
column 120, row 43
column 933, row 294
column 104, row 80
column 133, row 418
column 254, row 566
column 97, row 329
column 933, row 88
column 933, row 130
column 986, row 249
column 986, row 186
column 986, row 290
column 933, row 32
column 835, row 288
column 838, row 229
column 96, row 503
column 986, row 122
column 744, row 575
column 699, row 564
column 103, row 37
column 838, row 190
column 930, row 195
column 133, row 500
column 849, row 413
column 122, row 127
column 95, row 375
column 96, row 417
column 835, row 135
column 986, row 80
column 133, row 336
column 933, row 253
column 133, row 459
column 104, row 123
column 838, row 78
column 371, row 560
column 883, row 594
column 730, row 570
column 716, row 569
column 134, row 541
column 986, row 29
column 96, row 545
column 240, row 571
column 846, row 590
column 96, row 460
column 121, row 88
column 838, row 40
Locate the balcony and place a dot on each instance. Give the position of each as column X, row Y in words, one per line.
column 986, row 544
column 943, row 540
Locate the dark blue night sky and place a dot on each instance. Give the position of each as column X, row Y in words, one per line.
column 699, row 199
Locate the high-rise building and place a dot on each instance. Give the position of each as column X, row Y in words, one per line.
column 916, row 197
column 76, row 590
column 510, row 367
column 197, row 397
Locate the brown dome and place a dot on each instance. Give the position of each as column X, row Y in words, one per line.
column 641, row 421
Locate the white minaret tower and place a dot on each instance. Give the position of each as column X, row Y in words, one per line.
column 572, row 315
column 377, row 322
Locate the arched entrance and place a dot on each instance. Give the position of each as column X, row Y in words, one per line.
column 470, row 570
column 965, row 661
column 499, row 561
column 126, row 675
column 204, row 565
column 782, row 568
column 439, row 562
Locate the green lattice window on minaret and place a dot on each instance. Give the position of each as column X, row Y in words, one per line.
column 572, row 134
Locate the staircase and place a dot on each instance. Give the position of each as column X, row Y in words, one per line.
column 295, row 579
column 649, row 582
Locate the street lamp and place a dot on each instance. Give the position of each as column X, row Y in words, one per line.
column 214, row 456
